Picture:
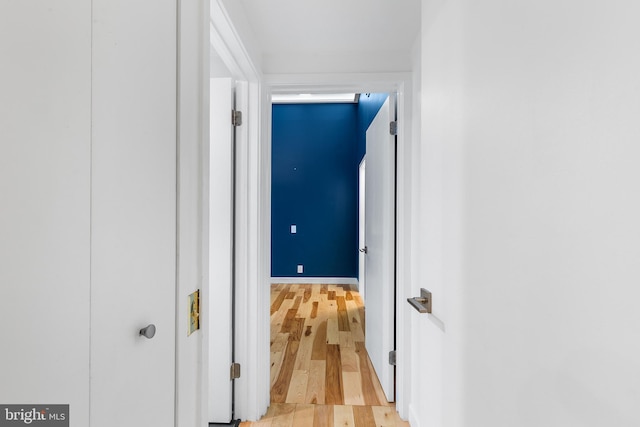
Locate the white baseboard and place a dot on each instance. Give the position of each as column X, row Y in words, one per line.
column 317, row 280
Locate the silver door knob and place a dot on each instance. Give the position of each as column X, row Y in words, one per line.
column 365, row 250
column 149, row 331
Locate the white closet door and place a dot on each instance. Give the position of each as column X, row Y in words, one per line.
column 133, row 213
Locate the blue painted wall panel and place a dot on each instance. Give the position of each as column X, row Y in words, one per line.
column 316, row 151
column 315, row 187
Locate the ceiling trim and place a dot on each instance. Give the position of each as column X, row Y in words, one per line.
column 314, row 98
column 227, row 43
column 336, row 82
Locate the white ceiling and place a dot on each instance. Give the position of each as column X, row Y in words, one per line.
column 335, row 27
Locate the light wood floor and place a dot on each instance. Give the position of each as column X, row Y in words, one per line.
column 321, row 374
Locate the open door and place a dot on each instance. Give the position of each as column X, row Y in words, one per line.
column 221, row 248
column 380, row 244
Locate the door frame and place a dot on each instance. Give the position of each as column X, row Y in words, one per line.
column 226, row 41
column 215, row 30
column 401, row 83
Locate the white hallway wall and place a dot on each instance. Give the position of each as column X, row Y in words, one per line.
column 529, row 194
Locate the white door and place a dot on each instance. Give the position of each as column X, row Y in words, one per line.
column 380, row 243
column 361, row 227
column 133, row 214
column 220, row 238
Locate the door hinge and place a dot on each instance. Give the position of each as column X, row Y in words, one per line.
column 392, row 358
column 393, row 128
column 235, row 371
column 236, row 118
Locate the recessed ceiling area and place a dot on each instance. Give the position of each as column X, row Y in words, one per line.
column 305, row 34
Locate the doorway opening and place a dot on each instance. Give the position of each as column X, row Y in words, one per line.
column 317, row 330
column 253, row 211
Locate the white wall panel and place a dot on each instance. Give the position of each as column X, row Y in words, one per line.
column 531, row 232
column 45, row 89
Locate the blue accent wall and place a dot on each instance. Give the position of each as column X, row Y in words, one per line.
column 316, row 151
column 314, row 186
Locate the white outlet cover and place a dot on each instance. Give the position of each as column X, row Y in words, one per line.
column 300, row 268
column 294, row 229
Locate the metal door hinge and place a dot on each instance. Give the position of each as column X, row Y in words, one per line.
column 393, row 128
column 392, row 358
column 236, row 118
column 235, row 371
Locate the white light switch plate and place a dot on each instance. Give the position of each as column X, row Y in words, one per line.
column 294, row 229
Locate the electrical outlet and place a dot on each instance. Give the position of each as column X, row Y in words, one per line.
column 300, row 268
column 294, row 229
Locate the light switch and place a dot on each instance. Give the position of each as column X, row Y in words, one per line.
column 294, row 229
column 300, row 269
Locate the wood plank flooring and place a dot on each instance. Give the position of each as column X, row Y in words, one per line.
column 308, row 415
column 321, row 374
